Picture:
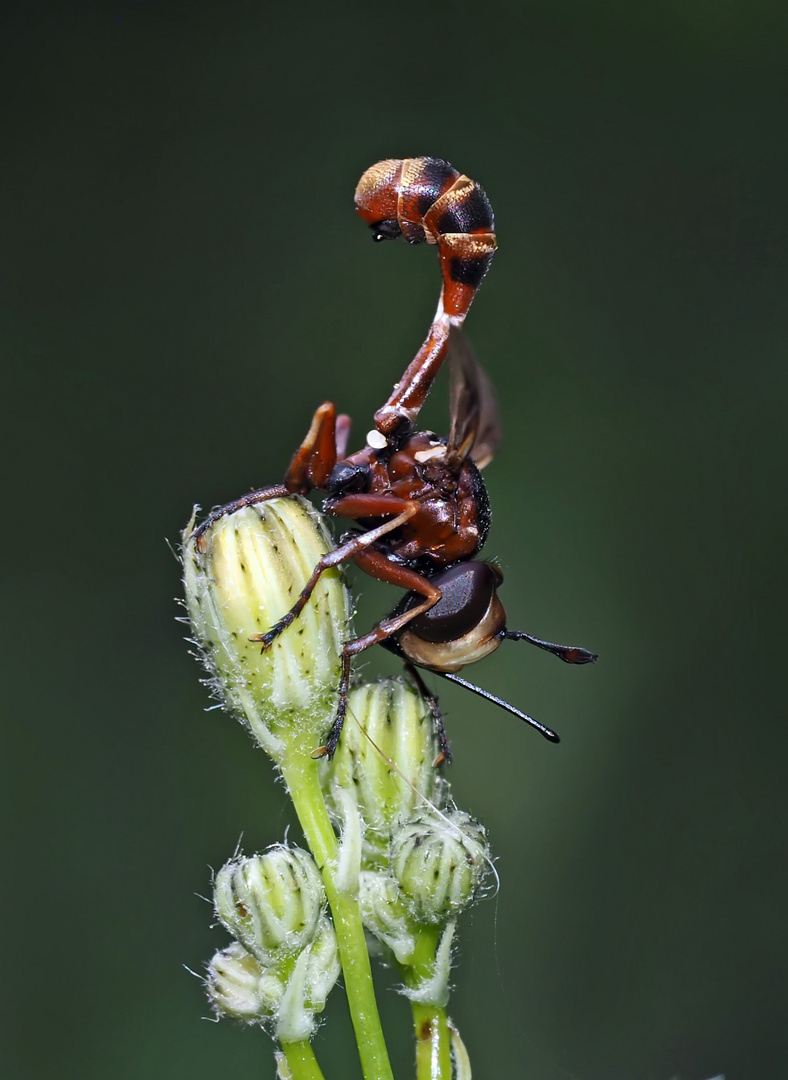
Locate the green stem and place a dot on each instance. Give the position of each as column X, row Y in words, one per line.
column 301, row 776
column 433, row 1042
column 430, row 1023
column 301, row 1061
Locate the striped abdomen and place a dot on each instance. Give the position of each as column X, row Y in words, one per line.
column 426, row 199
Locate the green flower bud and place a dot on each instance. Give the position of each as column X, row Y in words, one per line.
column 315, row 972
column 271, row 903
column 385, row 914
column 439, row 863
column 238, row 988
column 243, row 573
column 389, row 724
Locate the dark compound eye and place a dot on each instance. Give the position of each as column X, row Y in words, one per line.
column 346, row 479
column 466, row 592
column 385, row 230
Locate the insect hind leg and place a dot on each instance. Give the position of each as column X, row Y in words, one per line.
column 435, row 712
column 332, row 742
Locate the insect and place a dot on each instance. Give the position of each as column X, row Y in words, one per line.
column 419, row 501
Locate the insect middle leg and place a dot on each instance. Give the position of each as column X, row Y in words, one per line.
column 378, row 564
column 351, row 549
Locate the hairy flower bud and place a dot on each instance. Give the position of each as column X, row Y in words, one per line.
column 238, row 987
column 439, row 864
column 287, row 995
column 386, row 915
column 242, row 573
column 315, row 972
column 272, row 902
column 389, row 723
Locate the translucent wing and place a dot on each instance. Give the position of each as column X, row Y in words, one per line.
column 475, row 424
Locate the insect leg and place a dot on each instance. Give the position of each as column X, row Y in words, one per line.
column 332, row 742
column 435, row 713
column 349, row 550
column 317, row 455
column 343, row 434
column 378, row 565
column 276, row 491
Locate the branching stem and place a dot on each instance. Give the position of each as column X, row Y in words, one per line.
column 430, row 1023
column 301, row 1061
column 300, row 772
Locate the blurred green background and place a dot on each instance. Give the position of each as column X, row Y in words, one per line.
column 183, row 280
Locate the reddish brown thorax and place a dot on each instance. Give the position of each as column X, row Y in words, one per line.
column 452, row 516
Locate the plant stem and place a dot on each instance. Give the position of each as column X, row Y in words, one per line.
column 430, row 1023
column 433, row 1045
column 301, row 1061
column 301, row 776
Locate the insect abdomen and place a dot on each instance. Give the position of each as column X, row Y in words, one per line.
column 426, row 197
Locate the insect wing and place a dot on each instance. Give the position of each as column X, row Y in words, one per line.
column 475, row 422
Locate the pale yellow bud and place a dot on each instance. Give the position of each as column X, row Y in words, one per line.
column 243, row 573
column 271, row 902
column 240, row 989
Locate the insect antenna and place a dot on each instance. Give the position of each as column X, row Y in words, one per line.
column 570, row 654
column 548, row 733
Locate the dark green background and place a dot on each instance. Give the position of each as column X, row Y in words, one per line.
column 184, row 279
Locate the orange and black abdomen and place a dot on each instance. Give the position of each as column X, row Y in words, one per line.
column 427, row 199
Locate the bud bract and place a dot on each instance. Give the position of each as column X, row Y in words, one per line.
column 238, row 987
column 384, row 761
column 271, row 902
column 386, row 915
column 439, row 862
column 242, row 573
column 315, row 972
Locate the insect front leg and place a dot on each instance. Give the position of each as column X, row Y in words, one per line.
column 277, row 491
column 325, row 443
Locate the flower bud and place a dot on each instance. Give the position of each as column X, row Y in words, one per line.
column 238, row 988
column 393, row 726
column 243, row 573
column 439, row 863
column 315, row 972
column 385, row 914
column 272, row 902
